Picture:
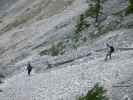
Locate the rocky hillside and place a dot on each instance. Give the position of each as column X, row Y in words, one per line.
column 25, row 25
column 64, row 33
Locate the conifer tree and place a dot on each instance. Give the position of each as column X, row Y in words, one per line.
column 95, row 10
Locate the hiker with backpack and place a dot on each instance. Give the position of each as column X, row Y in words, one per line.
column 110, row 50
column 29, row 68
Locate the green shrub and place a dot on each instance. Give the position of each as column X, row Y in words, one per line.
column 96, row 93
column 95, row 10
column 81, row 25
column 91, row 11
column 54, row 50
column 75, row 45
column 130, row 7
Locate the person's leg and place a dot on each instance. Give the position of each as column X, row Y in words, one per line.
column 106, row 58
column 110, row 56
column 29, row 71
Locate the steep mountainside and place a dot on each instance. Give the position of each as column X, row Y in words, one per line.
column 64, row 34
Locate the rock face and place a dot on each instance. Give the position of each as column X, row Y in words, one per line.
column 70, row 81
column 30, row 28
column 28, row 24
column 5, row 4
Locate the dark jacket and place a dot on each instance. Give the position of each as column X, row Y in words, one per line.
column 29, row 67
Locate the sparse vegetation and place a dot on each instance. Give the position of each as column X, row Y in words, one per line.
column 130, row 7
column 81, row 25
column 95, row 10
column 54, row 50
column 96, row 93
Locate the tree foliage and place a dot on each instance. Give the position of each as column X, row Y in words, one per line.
column 81, row 25
column 96, row 93
column 95, row 9
column 130, row 7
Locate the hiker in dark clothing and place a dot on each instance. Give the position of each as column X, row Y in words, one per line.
column 110, row 50
column 29, row 68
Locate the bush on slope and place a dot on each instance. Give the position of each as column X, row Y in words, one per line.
column 96, row 93
column 130, row 7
